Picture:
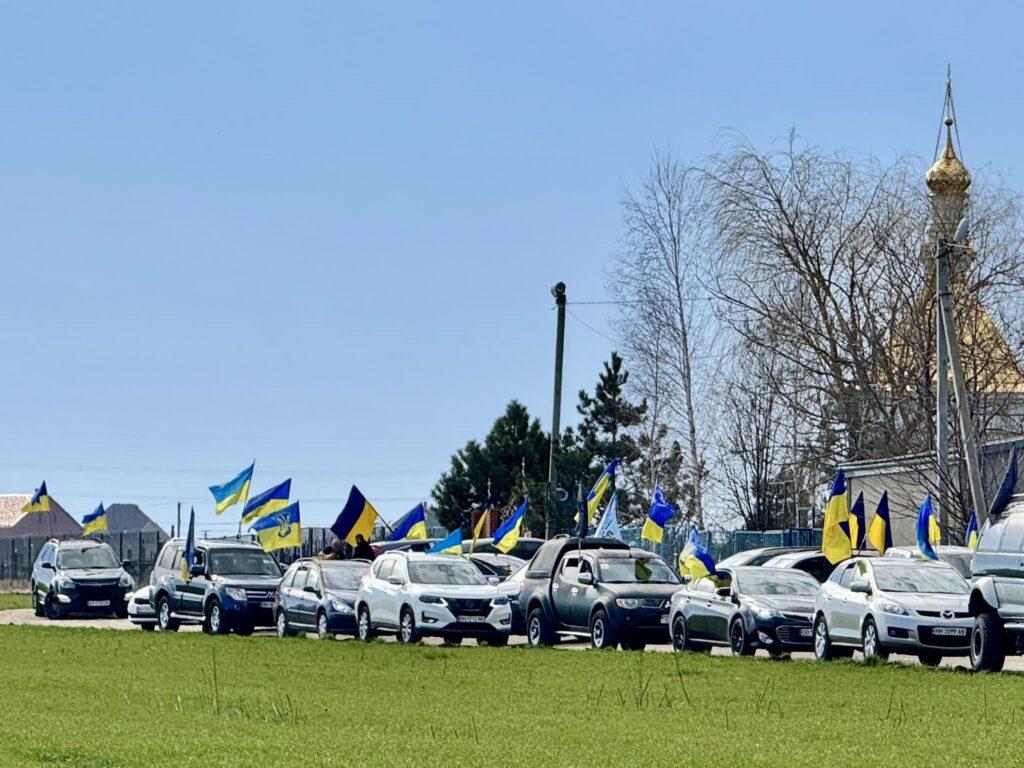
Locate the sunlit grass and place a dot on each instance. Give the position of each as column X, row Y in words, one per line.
column 10, row 600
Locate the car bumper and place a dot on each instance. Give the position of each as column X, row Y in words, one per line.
column 141, row 613
column 436, row 620
column 650, row 624
column 925, row 633
column 784, row 634
column 93, row 600
column 341, row 623
column 258, row 614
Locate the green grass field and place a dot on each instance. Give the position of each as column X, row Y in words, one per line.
column 101, row 698
column 9, row 600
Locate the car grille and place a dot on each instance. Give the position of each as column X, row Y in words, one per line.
column 790, row 634
column 654, row 602
column 259, row 594
column 463, row 606
column 937, row 614
column 98, row 590
column 801, row 617
column 926, row 636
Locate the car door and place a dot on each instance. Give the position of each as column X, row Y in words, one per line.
column 193, row 588
column 43, row 569
column 292, row 596
column 583, row 596
column 720, row 609
column 284, row 592
column 856, row 602
column 1008, row 570
column 393, row 593
column 841, row 619
column 309, row 598
column 697, row 610
column 566, row 580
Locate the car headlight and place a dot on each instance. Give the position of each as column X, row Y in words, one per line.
column 764, row 612
column 433, row 600
column 628, row 602
column 893, row 608
column 126, row 581
column 64, row 582
column 235, row 593
column 500, row 600
column 340, row 606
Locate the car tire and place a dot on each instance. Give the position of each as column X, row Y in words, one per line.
column 538, row 631
column 164, row 618
column 871, row 644
column 680, row 642
column 603, row 636
column 322, row 632
column 364, row 627
column 408, row 632
column 214, row 620
column 988, row 643
column 281, row 624
column 51, row 608
column 37, row 607
column 929, row 659
column 739, row 642
column 823, row 648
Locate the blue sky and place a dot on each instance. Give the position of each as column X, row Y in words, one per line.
column 323, row 235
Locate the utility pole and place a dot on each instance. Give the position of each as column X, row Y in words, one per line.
column 941, row 393
column 558, row 291
column 178, row 526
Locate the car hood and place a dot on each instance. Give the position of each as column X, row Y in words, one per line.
column 641, row 590
column 785, row 603
column 94, row 574
column 252, row 582
column 471, row 591
column 347, row 595
column 926, row 602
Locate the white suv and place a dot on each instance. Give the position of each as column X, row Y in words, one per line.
column 416, row 595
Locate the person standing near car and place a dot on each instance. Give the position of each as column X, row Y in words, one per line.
column 363, row 550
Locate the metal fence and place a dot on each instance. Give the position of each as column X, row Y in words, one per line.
column 722, row 544
column 140, row 550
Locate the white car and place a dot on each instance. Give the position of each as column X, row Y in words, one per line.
column 140, row 612
column 414, row 595
column 883, row 605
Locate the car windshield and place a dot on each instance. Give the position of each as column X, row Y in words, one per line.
column 343, row 577
column 927, row 579
column 770, row 583
column 242, row 562
column 636, row 570
column 959, row 560
column 445, row 572
column 87, row 557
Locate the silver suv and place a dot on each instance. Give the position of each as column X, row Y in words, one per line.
column 997, row 595
column 882, row 605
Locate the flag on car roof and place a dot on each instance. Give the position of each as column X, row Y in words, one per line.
column 880, row 532
column 507, row 535
column 927, row 529
column 1005, row 492
column 835, row 532
column 412, row 525
column 858, row 530
column 694, row 560
column 657, row 516
column 357, row 518
column 188, row 555
column 609, row 524
column 234, row 490
column 269, row 501
column 40, row 501
column 971, row 537
column 95, row 521
column 279, row 530
column 449, row 545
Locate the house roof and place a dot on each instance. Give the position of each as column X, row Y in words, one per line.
column 10, row 507
column 15, row 523
column 130, row 518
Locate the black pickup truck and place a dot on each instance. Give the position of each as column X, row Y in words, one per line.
column 597, row 588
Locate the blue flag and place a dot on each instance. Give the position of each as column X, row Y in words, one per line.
column 189, row 553
column 449, row 545
column 1006, row 489
column 927, row 529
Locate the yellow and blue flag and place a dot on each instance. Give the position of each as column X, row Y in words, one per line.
column 971, row 537
column 478, row 529
column 413, row 525
column 40, row 501
column 95, row 521
column 880, row 532
column 694, row 560
column 268, row 502
column 835, row 532
column 927, row 529
column 858, row 530
column 1005, row 492
column 357, row 517
column 596, row 495
column 507, row 535
column 279, row 530
column 233, row 491
column 657, row 516
column 449, row 545
column 188, row 558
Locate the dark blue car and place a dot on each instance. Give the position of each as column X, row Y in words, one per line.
column 319, row 595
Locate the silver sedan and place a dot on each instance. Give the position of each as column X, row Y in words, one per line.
column 884, row 605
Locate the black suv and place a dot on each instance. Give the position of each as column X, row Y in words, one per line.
column 997, row 591
column 232, row 586
column 79, row 576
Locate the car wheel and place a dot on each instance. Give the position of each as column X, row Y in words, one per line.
column 282, row 625
column 602, row 634
column 538, row 633
column 321, row 627
column 216, row 622
column 929, row 659
column 51, row 608
column 823, row 649
column 988, row 643
column 37, row 607
column 678, row 634
column 408, row 633
column 739, row 643
column 871, row 642
column 165, row 621
column 363, row 625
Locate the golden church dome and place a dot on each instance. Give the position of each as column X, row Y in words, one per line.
column 948, row 176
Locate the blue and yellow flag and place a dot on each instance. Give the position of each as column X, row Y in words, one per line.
column 485, row 513
column 233, row 491
column 858, row 530
column 880, row 532
column 188, row 558
column 413, row 525
column 659, row 514
column 95, row 521
column 279, row 530
column 694, row 560
column 40, row 501
column 971, row 537
column 267, row 502
column 596, row 495
column 449, row 545
column 356, row 518
column 507, row 535
column 1007, row 488
column 835, row 532
column 927, row 529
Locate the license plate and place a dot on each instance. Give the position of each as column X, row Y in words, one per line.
column 98, row 603
column 473, row 619
column 267, row 604
column 664, row 619
column 805, row 632
column 950, row 631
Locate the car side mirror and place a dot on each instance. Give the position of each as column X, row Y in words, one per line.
column 126, row 564
column 586, row 578
column 725, row 592
column 687, row 578
column 493, row 580
column 47, row 566
column 860, row 585
column 311, row 589
column 197, row 570
column 396, row 580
